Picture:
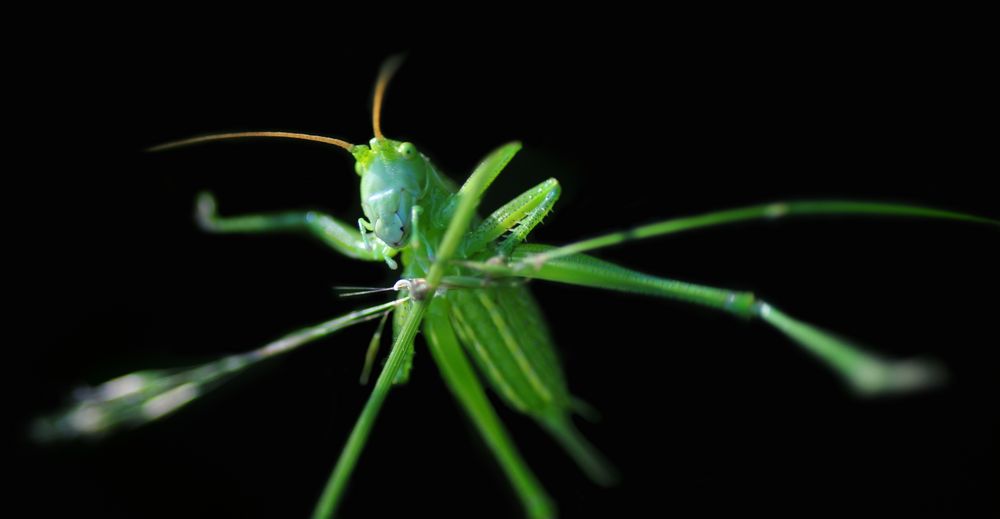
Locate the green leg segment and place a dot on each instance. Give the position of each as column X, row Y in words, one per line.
column 864, row 372
column 757, row 212
column 372, row 352
column 464, row 384
column 341, row 237
column 525, row 212
column 145, row 396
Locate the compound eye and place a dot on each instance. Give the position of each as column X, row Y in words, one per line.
column 407, row 150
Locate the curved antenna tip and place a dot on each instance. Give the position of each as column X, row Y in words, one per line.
column 242, row 135
column 385, row 73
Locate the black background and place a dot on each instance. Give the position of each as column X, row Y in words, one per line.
column 701, row 412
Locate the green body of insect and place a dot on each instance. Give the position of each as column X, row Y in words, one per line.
column 460, row 284
column 408, row 203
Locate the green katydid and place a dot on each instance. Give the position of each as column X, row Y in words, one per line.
column 453, row 268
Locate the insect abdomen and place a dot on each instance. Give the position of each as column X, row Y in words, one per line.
column 502, row 329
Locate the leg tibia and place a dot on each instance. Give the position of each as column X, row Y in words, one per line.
column 145, row 396
column 580, row 269
column 338, row 235
column 521, row 214
column 865, row 373
column 534, row 217
column 760, row 212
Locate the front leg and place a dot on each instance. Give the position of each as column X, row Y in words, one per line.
column 338, row 235
column 366, row 229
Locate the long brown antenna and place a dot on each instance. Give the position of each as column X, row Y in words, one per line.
column 389, row 67
column 240, row 135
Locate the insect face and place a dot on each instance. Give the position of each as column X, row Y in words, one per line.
column 393, row 178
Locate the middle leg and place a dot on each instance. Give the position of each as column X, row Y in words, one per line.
column 519, row 216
